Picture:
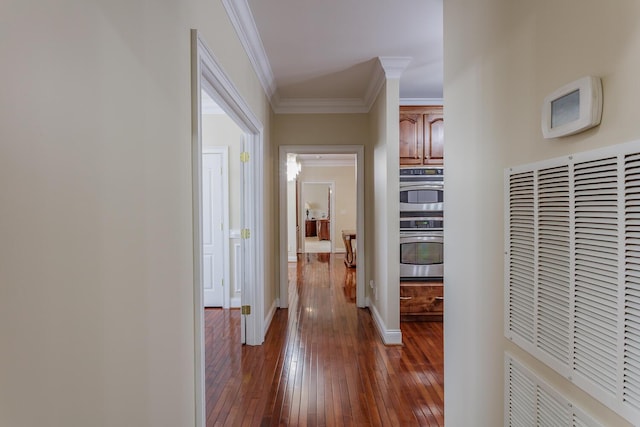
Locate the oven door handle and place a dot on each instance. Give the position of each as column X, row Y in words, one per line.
column 421, row 207
column 415, row 186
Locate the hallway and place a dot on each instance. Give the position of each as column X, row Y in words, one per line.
column 322, row 362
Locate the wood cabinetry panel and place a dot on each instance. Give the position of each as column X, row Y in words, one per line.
column 421, row 301
column 411, row 138
column 421, row 136
column 434, row 135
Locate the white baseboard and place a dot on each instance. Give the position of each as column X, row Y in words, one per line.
column 389, row 336
column 269, row 317
column 235, row 302
column 292, row 258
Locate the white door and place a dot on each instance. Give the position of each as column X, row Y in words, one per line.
column 212, row 230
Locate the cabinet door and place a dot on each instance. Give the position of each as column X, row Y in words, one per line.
column 411, row 138
column 434, row 138
column 421, row 301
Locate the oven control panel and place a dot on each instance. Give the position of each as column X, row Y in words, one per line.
column 426, row 172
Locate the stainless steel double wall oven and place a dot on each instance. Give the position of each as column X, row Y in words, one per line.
column 421, row 223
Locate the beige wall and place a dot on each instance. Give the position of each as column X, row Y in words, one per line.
column 220, row 130
column 501, row 59
column 344, row 210
column 319, row 129
column 96, row 283
column 316, row 196
column 382, row 205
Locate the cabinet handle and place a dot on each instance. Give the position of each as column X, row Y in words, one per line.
column 405, row 298
column 439, row 298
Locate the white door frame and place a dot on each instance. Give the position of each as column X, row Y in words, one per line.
column 358, row 150
column 207, row 75
column 224, row 152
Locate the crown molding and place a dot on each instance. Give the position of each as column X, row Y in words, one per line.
column 394, row 66
column 242, row 20
column 245, row 26
column 410, row 102
column 375, row 85
column 389, row 68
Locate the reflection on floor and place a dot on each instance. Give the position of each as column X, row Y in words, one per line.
column 322, row 362
column 313, row 245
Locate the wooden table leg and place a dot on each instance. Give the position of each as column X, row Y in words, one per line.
column 349, row 257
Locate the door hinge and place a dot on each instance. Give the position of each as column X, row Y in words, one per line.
column 222, row 282
column 246, row 309
column 245, row 233
column 221, row 226
column 244, row 157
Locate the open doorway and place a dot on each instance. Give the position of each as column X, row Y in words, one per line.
column 294, row 202
column 208, row 77
column 222, row 139
column 316, row 207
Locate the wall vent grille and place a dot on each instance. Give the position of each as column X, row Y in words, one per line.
column 554, row 263
column 572, row 270
column 531, row 401
column 521, row 263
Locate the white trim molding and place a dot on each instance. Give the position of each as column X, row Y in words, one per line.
column 410, row 102
column 389, row 336
column 206, row 74
column 387, row 68
column 242, row 20
column 269, row 316
column 245, row 26
column 393, row 66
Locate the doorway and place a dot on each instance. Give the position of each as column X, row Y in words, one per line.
column 317, row 213
column 287, row 205
column 208, row 76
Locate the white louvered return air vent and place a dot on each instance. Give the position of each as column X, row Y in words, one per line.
column 572, row 270
column 529, row 401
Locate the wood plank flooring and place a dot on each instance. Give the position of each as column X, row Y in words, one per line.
column 323, row 363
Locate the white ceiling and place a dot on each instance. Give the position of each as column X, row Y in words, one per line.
column 321, row 55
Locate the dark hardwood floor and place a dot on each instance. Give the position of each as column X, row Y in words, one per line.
column 322, row 362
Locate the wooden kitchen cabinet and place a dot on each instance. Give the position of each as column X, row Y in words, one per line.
column 421, row 301
column 411, row 138
column 421, row 136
